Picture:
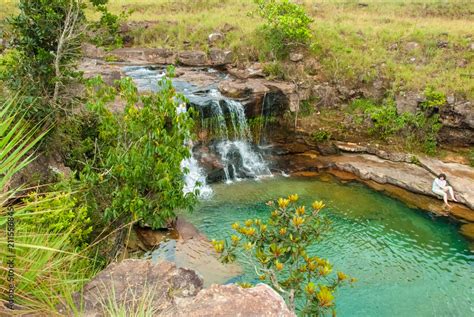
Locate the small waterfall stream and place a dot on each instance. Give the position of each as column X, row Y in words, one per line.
column 224, row 119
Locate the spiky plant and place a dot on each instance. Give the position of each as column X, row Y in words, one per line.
column 47, row 267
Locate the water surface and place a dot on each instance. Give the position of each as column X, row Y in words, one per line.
column 407, row 263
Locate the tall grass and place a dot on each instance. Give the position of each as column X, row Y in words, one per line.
column 137, row 305
column 48, row 268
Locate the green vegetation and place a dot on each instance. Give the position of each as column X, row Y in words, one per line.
column 407, row 44
column 40, row 63
column 48, row 265
column 125, row 165
column 137, row 172
column 125, row 148
column 434, row 99
column 278, row 248
column 420, row 128
column 106, row 30
column 321, row 136
column 140, row 306
column 286, row 26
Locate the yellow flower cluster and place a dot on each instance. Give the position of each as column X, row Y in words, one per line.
column 293, row 198
column 318, row 205
column 247, row 231
column 283, row 203
column 325, row 297
column 218, row 245
column 300, row 210
column 297, row 221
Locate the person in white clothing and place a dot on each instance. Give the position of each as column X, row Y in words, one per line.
column 441, row 188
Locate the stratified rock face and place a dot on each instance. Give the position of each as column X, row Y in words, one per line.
column 458, row 123
column 408, row 102
column 174, row 291
column 232, row 300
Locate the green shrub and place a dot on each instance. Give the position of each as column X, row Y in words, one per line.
column 287, row 25
column 278, row 249
column 49, row 267
column 471, row 157
column 106, row 30
column 418, row 129
column 434, row 99
column 58, row 211
column 321, row 136
column 137, row 174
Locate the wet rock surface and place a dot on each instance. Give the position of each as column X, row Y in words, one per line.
column 174, row 291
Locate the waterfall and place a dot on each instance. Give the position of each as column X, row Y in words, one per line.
column 224, row 119
column 195, row 178
column 240, row 158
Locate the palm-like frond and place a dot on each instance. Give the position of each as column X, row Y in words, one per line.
column 17, row 139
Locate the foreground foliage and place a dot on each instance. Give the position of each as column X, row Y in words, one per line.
column 135, row 174
column 279, row 249
column 49, row 265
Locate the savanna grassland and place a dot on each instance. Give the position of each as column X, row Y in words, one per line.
column 352, row 41
column 410, row 44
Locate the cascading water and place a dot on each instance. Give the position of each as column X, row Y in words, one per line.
column 239, row 157
column 225, row 119
column 195, row 178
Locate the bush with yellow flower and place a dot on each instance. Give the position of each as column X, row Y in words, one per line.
column 278, row 248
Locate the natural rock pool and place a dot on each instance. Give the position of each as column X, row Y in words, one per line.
column 406, row 262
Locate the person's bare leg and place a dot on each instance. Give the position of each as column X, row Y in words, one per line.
column 445, row 198
column 451, row 192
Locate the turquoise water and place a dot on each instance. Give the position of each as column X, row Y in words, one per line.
column 406, row 263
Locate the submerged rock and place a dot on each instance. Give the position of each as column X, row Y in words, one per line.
column 173, row 291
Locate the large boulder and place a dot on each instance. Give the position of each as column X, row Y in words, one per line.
column 193, row 58
column 173, row 291
column 220, row 57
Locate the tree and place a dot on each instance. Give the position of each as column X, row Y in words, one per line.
column 278, row 249
column 136, row 174
column 46, row 37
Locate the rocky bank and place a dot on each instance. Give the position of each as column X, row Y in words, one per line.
column 171, row 291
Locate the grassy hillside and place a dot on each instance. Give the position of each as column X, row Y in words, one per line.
column 409, row 44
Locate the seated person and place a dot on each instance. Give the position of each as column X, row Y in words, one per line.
column 441, row 188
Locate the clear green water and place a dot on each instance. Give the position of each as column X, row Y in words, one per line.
column 406, row 263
